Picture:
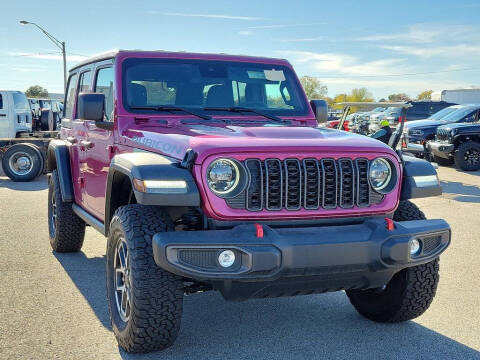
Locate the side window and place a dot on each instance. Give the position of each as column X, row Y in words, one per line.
column 1, row 102
column 104, row 85
column 84, row 84
column 70, row 98
column 470, row 117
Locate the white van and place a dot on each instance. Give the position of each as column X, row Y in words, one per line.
column 15, row 114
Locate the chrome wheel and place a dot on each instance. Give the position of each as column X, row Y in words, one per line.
column 20, row 163
column 122, row 281
column 472, row 157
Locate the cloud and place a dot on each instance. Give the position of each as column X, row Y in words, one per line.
column 345, row 64
column 427, row 33
column 456, row 51
column 318, row 38
column 73, row 58
column 212, row 16
column 245, row 32
column 276, row 26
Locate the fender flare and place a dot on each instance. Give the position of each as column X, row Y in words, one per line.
column 151, row 166
column 420, row 179
column 58, row 157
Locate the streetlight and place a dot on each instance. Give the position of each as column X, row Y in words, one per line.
column 58, row 43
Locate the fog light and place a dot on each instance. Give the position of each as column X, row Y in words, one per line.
column 414, row 247
column 226, row 258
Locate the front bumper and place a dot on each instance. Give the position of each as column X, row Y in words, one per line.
column 444, row 150
column 324, row 258
column 413, row 144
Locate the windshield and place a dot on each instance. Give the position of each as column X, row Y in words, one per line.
column 459, row 114
column 196, row 84
column 20, row 102
column 45, row 104
column 442, row 113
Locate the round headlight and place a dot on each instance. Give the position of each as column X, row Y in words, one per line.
column 380, row 173
column 223, row 176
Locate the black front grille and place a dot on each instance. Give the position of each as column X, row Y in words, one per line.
column 309, row 184
column 443, row 134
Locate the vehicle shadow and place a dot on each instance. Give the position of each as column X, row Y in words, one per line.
column 464, row 192
column 305, row 327
column 37, row 184
column 88, row 275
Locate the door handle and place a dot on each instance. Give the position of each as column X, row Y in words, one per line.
column 86, row 144
column 71, row 140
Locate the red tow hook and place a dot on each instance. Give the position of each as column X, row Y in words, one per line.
column 259, row 230
column 390, row 224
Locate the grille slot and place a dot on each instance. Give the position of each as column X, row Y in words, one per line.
column 363, row 187
column 274, row 184
column 329, row 169
column 347, row 183
column 293, row 184
column 310, row 184
column 255, row 188
column 442, row 134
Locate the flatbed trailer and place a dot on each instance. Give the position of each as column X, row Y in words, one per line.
column 24, row 158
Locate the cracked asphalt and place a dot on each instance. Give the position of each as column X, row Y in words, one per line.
column 52, row 306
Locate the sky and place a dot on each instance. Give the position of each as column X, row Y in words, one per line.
column 385, row 46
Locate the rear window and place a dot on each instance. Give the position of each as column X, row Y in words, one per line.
column 20, row 102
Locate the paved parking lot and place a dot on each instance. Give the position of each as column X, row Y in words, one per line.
column 53, row 305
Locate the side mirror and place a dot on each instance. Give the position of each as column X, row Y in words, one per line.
column 91, row 106
column 320, row 108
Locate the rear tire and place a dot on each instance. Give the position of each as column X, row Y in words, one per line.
column 410, row 291
column 66, row 230
column 145, row 302
column 467, row 156
column 22, row 162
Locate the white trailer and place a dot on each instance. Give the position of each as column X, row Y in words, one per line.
column 22, row 152
column 458, row 96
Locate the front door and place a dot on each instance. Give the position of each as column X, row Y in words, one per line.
column 100, row 146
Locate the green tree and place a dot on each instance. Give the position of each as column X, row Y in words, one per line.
column 399, row 97
column 313, row 87
column 425, row 95
column 36, row 91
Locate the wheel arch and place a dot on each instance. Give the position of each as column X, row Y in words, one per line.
column 124, row 168
column 419, row 179
column 58, row 158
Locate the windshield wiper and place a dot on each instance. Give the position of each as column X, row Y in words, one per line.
column 172, row 108
column 239, row 109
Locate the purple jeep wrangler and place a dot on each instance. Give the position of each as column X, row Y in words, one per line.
column 210, row 172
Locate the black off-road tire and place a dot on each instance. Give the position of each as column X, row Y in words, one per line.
column 410, row 291
column 66, row 230
column 156, row 296
column 442, row 161
column 26, row 150
column 408, row 211
column 460, row 153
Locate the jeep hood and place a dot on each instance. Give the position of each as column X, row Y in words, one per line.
column 208, row 140
column 462, row 127
column 420, row 124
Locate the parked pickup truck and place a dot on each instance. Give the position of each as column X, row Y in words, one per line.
column 209, row 172
column 458, row 142
column 22, row 152
column 418, row 133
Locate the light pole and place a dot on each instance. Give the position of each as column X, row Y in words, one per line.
column 58, row 43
